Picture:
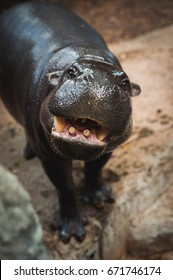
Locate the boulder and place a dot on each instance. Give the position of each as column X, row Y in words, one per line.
column 20, row 230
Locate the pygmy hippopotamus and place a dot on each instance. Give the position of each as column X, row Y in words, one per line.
column 61, row 83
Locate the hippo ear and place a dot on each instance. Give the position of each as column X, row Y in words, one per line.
column 54, row 77
column 135, row 89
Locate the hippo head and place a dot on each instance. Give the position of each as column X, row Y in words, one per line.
column 89, row 108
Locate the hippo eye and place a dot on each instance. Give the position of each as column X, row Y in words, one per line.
column 125, row 85
column 72, row 72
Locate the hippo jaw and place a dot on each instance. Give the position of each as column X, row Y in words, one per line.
column 82, row 139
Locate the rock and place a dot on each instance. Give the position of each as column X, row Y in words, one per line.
column 152, row 227
column 21, row 233
column 141, row 224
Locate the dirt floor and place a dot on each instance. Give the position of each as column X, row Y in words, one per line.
column 120, row 23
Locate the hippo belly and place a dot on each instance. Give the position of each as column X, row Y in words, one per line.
column 61, row 83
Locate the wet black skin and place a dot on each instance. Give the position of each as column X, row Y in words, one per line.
column 55, row 64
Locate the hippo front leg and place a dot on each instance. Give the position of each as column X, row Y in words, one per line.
column 70, row 221
column 97, row 192
column 28, row 152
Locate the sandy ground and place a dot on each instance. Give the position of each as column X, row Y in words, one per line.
column 148, row 61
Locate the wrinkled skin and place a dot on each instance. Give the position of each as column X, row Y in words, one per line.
column 71, row 95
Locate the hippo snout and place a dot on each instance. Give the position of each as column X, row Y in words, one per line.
column 90, row 108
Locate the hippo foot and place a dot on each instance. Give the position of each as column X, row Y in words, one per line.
column 98, row 197
column 28, row 152
column 69, row 227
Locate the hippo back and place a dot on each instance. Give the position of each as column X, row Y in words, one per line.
column 31, row 34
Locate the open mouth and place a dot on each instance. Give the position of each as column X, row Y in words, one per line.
column 81, row 129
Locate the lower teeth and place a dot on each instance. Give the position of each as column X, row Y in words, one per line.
column 86, row 132
column 71, row 130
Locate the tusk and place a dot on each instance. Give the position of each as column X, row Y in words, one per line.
column 59, row 124
column 102, row 133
